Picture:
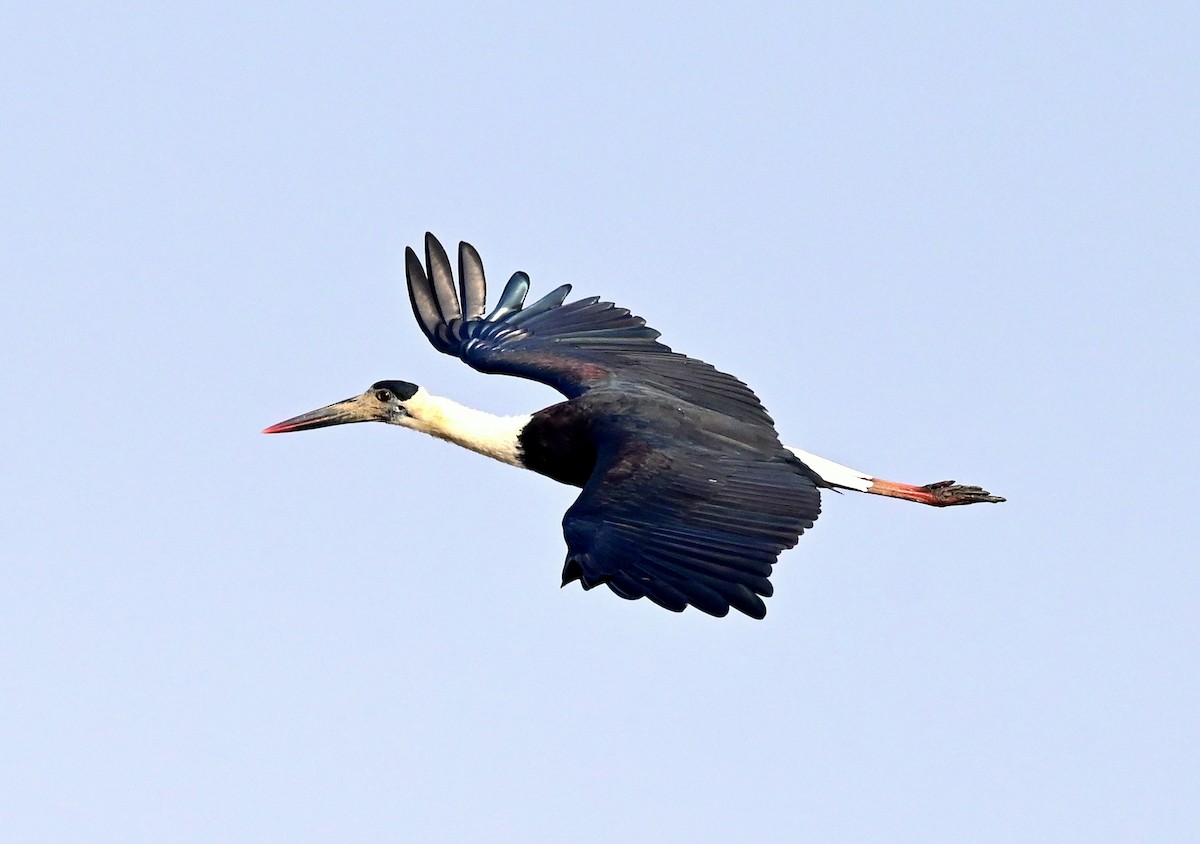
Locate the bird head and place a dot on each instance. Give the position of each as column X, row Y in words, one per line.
column 384, row 401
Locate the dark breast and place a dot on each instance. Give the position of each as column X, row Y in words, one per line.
column 557, row 443
column 634, row 423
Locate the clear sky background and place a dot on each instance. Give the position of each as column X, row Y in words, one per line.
column 940, row 241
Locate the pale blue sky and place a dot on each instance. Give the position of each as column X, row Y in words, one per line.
column 939, row 241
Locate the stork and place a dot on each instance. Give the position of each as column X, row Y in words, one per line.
column 688, row 496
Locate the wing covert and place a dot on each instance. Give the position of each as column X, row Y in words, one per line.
column 570, row 346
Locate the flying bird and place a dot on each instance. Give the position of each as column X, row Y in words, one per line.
column 688, row 496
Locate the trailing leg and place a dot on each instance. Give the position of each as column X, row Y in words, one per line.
column 939, row 494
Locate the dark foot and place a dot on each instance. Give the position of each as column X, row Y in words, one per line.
column 949, row 494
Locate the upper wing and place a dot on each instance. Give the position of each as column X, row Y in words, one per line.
column 687, row 526
column 572, row 347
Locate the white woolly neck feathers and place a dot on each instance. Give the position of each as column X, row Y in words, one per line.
column 482, row 432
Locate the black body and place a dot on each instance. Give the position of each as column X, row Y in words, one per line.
column 688, row 497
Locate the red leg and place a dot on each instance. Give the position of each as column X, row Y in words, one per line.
column 940, row 494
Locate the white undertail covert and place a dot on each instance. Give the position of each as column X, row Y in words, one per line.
column 835, row 473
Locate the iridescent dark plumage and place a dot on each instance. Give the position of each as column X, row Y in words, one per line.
column 688, row 495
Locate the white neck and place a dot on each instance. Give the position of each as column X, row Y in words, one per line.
column 482, row 432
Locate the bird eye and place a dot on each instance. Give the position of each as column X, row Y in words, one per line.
column 384, row 396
